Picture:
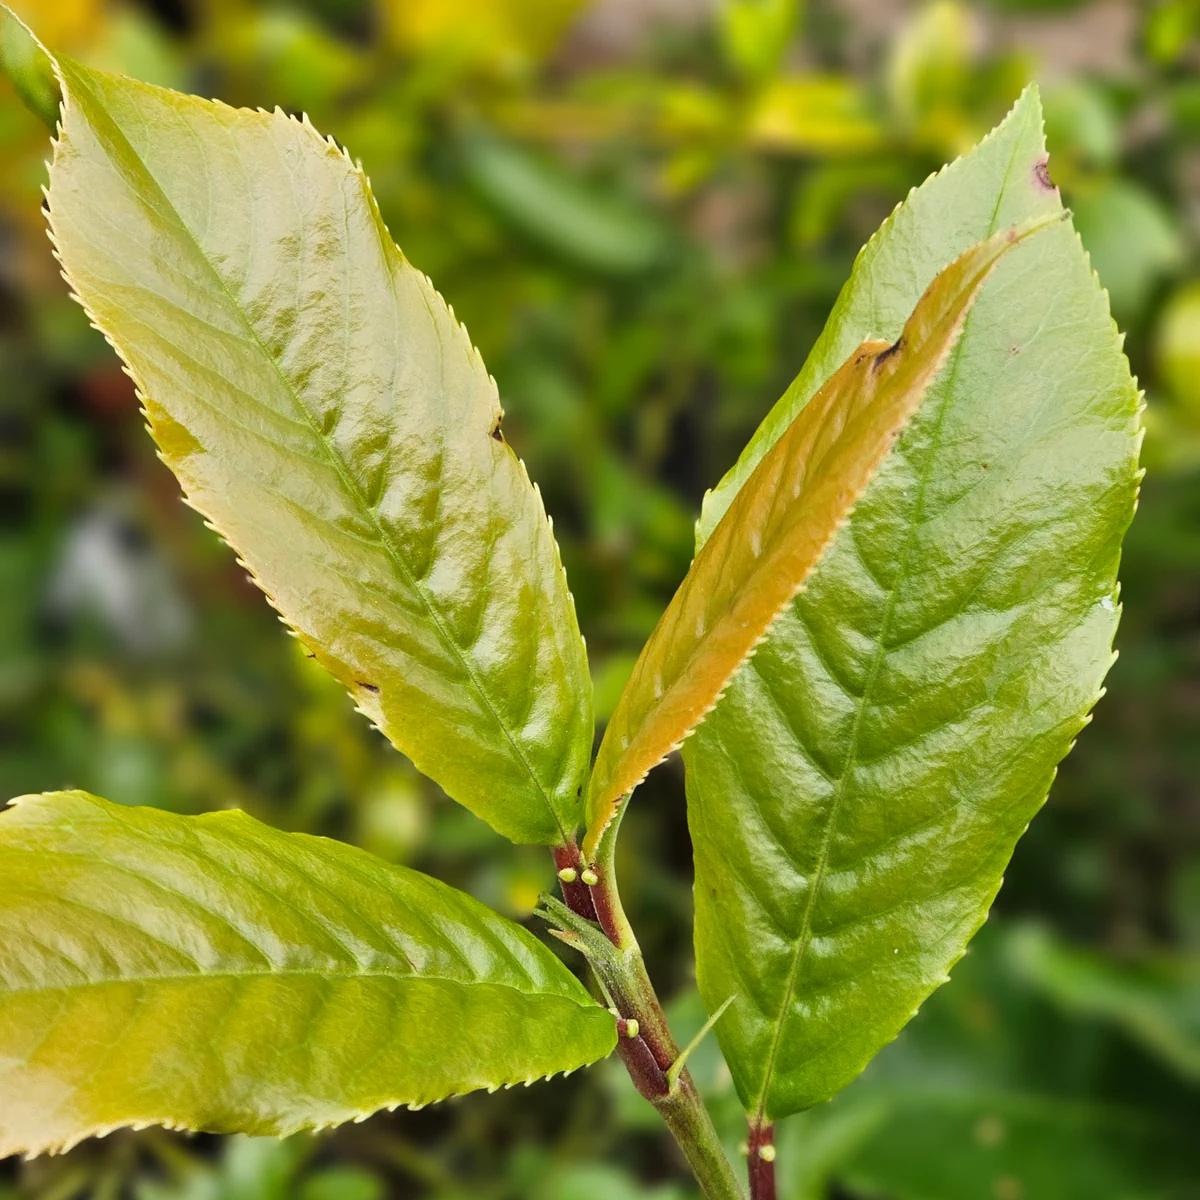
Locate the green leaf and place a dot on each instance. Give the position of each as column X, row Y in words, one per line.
column 1133, row 240
column 1178, row 348
column 857, row 793
column 29, row 67
column 992, row 1093
column 323, row 408
column 968, row 1143
column 780, row 524
column 212, row 973
column 1156, row 1000
column 560, row 212
column 755, row 34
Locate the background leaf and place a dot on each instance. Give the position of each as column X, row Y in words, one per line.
column 1154, row 998
column 29, row 67
column 603, row 232
column 856, row 795
column 323, row 408
column 990, row 1092
column 212, row 973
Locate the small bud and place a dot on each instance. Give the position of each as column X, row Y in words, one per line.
column 568, row 875
column 632, row 1028
column 590, row 877
column 767, row 1153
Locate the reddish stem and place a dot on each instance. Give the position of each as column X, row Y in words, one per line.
column 576, row 895
column 639, row 1061
column 648, row 1055
column 602, row 900
column 762, row 1169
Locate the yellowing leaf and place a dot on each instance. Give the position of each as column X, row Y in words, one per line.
column 324, row 409
column 71, row 24
column 504, row 32
column 813, row 115
column 212, row 973
column 777, row 528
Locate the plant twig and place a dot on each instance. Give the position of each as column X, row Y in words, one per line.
column 761, row 1162
column 597, row 926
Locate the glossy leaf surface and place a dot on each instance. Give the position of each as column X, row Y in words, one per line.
column 857, row 793
column 778, row 526
column 324, row 409
column 213, row 973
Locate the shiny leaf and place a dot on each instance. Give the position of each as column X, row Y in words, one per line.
column 779, row 525
column 323, row 408
column 857, row 793
column 212, row 973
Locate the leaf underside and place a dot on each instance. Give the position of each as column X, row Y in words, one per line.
column 324, row 409
column 856, row 795
column 211, row 973
column 776, row 529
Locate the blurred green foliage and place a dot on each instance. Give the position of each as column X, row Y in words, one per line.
column 643, row 220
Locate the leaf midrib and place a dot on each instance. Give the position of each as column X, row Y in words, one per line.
column 353, row 491
column 804, row 936
column 267, row 973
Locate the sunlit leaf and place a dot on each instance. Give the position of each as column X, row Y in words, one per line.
column 212, row 973
column 815, row 115
column 929, row 67
column 323, row 408
column 503, row 33
column 856, row 795
column 756, row 34
column 1178, row 348
column 67, row 23
column 777, row 528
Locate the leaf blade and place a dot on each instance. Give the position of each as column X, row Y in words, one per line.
column 761, row 552
column 325, row 411
column 213, row 973
column 879, row 757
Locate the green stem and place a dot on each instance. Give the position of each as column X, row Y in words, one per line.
column 645, row 1043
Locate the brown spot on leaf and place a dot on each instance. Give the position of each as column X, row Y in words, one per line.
column 1041, row 173
column 496, row 434
column 884, row 355
column 370, row 687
